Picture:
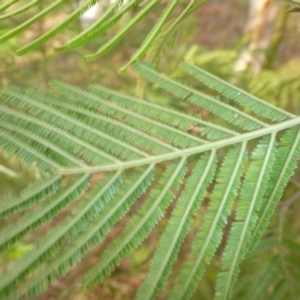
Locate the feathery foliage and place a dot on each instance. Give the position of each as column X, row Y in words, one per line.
column 107, row 20
column 100, row 155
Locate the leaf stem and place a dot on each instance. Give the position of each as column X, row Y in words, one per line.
column 184, row 152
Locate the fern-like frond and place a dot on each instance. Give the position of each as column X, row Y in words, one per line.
column 68, row 230
column 165, row 115
column 100, row 26
column 119, row 35
column 93, row 233
column 57, row 28
column 5, row 37
column 35, row 192
column 141, row 224
column 49, row 208
column 172, row 135
column 153, row 34
column 209, row 237
column 20, row 10
column 220, row 109
column 108, row 19
column 98, row 151
column 179, row 225
column 7, row 5
column 234, row 93
column 285, row 163
column 256, row 179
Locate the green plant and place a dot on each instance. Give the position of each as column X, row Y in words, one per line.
column 159, row 33
column 95, row 156
column 278, row 86
column 73, row 134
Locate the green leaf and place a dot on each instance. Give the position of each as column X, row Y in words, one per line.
column 98, row 152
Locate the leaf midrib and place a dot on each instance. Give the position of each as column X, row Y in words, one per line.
column 184, row 152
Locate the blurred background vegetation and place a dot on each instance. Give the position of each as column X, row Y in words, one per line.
column 253, row 44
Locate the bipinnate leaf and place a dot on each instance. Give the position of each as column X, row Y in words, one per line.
column 108, row 161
